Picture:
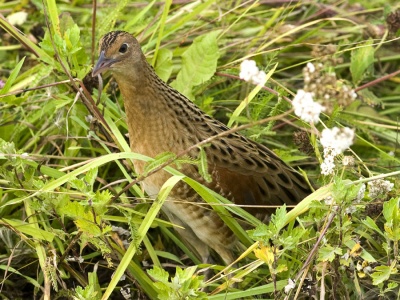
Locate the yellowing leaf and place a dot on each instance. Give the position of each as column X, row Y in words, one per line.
column 265, row 254
column 356, row 250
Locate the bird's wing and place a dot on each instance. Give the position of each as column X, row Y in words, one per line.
column 249, row 173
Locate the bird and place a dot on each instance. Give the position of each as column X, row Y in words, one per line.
column 160, row 119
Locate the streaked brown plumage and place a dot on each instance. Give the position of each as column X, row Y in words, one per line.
column 160, row 119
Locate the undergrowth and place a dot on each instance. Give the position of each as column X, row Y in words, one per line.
column 72, row 224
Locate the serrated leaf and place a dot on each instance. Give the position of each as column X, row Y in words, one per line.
column 281, row 268
column 60, row 43
column 361, row 59
column 47, row 45
column 391, row 210
column 159, row 274
column 382, row 273
column 199, row 63
column 290, row 238
column 392, row 285
column 158, row 160
column 88, row 227
column 66, row 22
column 260, row 232
column 185, row 274
column 91, row 176
column 100, row 201
column 163, row 65
column 371, row 99
column 74, row 35
column 78, row 184
column 328, row 253
column 278, row 219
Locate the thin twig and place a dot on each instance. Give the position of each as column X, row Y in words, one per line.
column 376, row 81
column 314, row 250
column 85, row 96
column 323, row 289
column 35, row 88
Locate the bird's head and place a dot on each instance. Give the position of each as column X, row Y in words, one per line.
column 119, row 52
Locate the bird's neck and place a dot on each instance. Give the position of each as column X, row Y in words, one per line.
column 154, row 116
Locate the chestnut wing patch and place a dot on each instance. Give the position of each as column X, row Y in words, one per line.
column 248, row 173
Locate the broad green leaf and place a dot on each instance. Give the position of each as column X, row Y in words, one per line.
column 184, row 285
column 391, row 210
column 158, row 274
column 328, row 253
column 90, row 176
column 278, row 219
column 88, row 227
column 361, row 59
column 382, row 273
column 199, row 63
column 372, row 225
column 163, row 66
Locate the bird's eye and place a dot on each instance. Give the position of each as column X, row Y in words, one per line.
column 123, row 48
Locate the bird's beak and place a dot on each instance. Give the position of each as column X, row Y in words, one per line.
column 103, row 64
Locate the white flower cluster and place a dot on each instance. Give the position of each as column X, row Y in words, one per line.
column 79, row 259
column 306, row 108
column 249, row 72
column 310, row 67
column 348, row 161
column 291, row 285
column 360, row 195
column 17, row 18
column 339, row 139
column 379, row 187
column 335, row 141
